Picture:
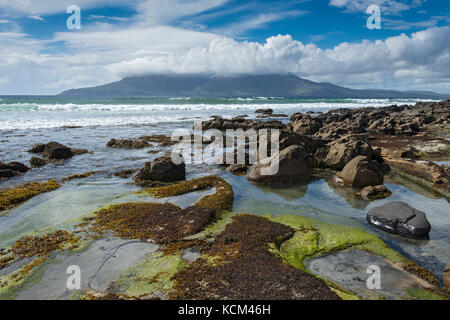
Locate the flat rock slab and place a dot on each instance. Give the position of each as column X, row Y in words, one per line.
column 349, row 269
column 101, row 264
column 400, row 218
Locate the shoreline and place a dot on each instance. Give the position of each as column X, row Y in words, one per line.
column 400, row 137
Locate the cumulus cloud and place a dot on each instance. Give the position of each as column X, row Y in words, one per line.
column 422, row 55
column 104, row 53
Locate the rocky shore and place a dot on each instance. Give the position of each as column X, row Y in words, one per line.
column 207, row 251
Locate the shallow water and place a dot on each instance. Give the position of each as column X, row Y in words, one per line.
column 63, row 208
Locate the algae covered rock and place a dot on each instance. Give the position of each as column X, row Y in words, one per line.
column 127, row 144
column 240, row 265
column 16, row 195
column 361, row 172
column 446, row 277
column 399, row 218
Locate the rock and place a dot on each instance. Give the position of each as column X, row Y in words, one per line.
column 12, row 169
column 57, row 151
column 161, row 169
column 264, row 111
column 305, row 125
column 239, row 169
column 344, row 150
column 399, row 218
column 127, row 144
column 361, row 172
column 124, row 173
column 293, row 167
column 37, row 162
column 77, row 152
column 37, row 148
column 372, row 193
column 446, row 277
column 7, row 174
column 15, row 166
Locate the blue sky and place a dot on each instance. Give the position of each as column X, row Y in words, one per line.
column 322, row 40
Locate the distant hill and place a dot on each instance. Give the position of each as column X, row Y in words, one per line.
column 288, row 86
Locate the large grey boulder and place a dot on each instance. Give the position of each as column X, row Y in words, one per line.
column 361, row 172
column 399, row 218
column 293, row 167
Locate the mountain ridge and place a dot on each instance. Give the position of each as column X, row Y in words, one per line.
column 199, row 86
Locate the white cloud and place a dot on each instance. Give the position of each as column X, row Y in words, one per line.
column 45, row 7
column 103, row 52
column 387, row 6
column 38, row 18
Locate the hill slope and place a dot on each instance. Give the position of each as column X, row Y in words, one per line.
column 153, row 86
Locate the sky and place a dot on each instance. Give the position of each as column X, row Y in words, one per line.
column 319, row 40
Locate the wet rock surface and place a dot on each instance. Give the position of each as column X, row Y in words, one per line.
column 127, row 144
column 349, row 269
column 12, row 169
column 377, row 192
column 293, row 166
column 162, row 169
column 361, row 172
column 399, row 218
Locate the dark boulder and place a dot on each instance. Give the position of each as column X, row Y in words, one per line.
column 57, row 151
column 7, row 174
column 161, row 169
column 293, row 167
column 399, row 218
column 37, row 162
column 37, row 148
column 15, row 166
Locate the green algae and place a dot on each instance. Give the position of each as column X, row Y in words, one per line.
column 422, row 294
column 150, row 276
column 316, row 238
column 344, row 295
column 16, row 195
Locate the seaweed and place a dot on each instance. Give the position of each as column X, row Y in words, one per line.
column 79, row 176
column 16, row 195
column 221, row 200
column 239, row 265
column 150, row 222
